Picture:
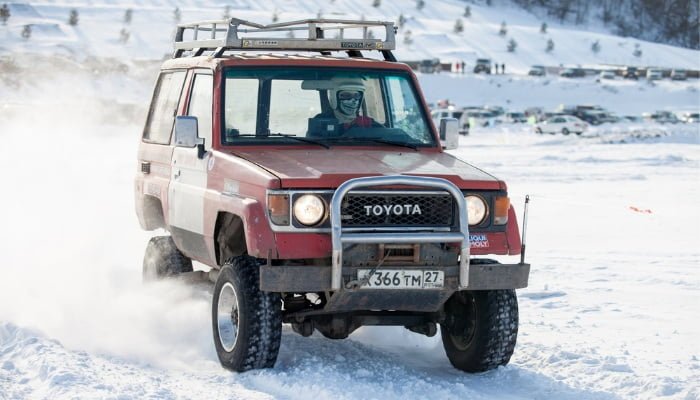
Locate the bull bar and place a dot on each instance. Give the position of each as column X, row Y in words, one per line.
column 339, row 238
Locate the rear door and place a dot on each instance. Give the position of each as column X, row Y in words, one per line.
column 155, row 150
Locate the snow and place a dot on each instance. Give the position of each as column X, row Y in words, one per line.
column 611, row 310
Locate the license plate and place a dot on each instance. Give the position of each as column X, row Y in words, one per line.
column 402, row 279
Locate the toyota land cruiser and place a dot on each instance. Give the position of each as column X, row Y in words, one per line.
column 317, row 189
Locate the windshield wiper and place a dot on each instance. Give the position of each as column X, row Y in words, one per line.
column 375, row 140
column 297, row 138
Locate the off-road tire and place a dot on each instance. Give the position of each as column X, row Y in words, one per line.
column 565, row 131
column 258, row 319
column 480, row 329
column 162, row 259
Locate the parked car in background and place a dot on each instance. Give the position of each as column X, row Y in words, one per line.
column 632, row 118
column 482, row 118
column 429, row 66
column 631, row 73
column 608, row 74
column 654, row 74
column 572, row 73
column 515, row 118
column 690, row 117
column 482, row 65
column 537, row 70
column 450, row 112
column 679, row 75
column 661, row 117
column 565, row 124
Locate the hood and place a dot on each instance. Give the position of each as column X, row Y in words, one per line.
column 323, row 169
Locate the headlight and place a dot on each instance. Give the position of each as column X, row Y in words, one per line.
column 476, row 210
column 309, row 209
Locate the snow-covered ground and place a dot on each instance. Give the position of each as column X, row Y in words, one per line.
column 614, row 297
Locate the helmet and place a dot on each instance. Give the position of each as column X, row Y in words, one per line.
column 345, row 84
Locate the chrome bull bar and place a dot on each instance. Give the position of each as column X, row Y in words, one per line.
column 338, row 237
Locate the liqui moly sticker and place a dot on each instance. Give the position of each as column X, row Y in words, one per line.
column 479, row 241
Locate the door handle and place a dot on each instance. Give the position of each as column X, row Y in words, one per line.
column 177, row 173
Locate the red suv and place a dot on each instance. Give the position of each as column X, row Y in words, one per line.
column 317, row 189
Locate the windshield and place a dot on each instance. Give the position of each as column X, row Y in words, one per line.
column 327, row 106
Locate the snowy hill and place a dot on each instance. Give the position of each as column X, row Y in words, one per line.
column 431, row 29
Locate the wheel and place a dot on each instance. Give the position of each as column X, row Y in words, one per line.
column 480, row 329
column 162, row 259
column 538, row 130
column 565, row 131
column 247, row 323
column 579, row 133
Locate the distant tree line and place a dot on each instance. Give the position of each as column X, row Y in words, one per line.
column 674, row 22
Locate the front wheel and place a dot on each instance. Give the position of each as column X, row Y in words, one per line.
column 247, row 323
column 480, row 329
column 565, row 131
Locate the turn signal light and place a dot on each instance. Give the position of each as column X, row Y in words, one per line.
column 501, row 205
column 278, row 208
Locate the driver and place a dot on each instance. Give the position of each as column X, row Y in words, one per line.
column 346, row 101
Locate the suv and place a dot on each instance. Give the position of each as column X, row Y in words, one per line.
column 631, row 73
column 482, row 65
column 317, row 190
column 537, row 70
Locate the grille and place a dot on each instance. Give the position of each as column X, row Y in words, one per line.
column 397, row 210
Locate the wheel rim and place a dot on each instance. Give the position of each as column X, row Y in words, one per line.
column 227, row 317
column 462, row 341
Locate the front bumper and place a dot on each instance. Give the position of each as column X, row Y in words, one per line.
column 312, row 278
column 308, row 278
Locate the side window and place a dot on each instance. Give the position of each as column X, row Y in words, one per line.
column 241, row 107
column 406, row 112
column 201, row 105
column 161, row 117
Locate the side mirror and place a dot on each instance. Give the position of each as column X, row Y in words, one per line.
column 186, row 134
column 449, row 133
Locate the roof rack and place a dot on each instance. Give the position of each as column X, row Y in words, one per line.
column 238, row 34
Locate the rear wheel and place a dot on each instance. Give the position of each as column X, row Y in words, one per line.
column 247, row 323
column 162, row 259
column 480, row 329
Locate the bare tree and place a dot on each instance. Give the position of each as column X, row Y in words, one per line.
column 128, row 14
column 503, row 31
column 124, row 35
column 177, row 15
column 543, row 27
column 550, row 46
column 26, row 31
column 73, row 17
column 459, row 26
column 4, row 14
column 512, row 45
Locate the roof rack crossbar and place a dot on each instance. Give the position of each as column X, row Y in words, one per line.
column 237, row 34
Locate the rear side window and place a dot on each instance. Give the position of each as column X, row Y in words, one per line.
column 161, row 117
column 201, row 105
